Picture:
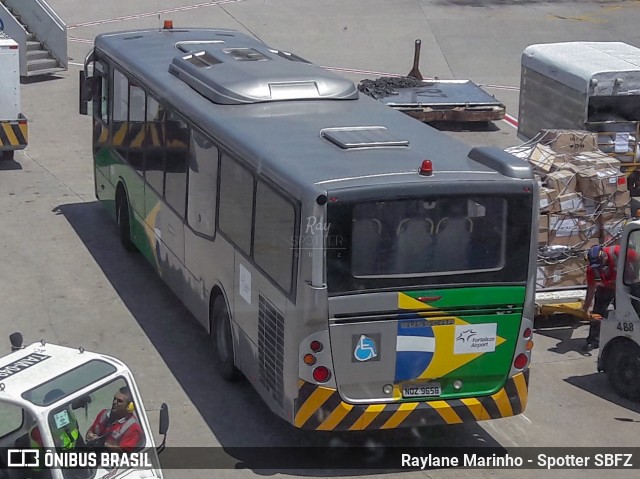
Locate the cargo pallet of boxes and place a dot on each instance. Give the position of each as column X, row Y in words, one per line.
column 584, row 201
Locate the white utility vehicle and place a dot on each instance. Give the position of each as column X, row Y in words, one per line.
column 49, row 397
column 620, row 333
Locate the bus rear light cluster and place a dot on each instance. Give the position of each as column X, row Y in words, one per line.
column 520, row 361
column 527, row 333
column 321, row 374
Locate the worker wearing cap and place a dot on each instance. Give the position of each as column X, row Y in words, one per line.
column 601, row 286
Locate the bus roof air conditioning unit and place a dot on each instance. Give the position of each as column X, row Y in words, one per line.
column 232, row 76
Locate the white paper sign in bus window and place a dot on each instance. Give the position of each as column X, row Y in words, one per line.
column 475, row 338
column 245, row 284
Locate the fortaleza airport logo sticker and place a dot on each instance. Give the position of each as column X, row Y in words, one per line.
column 475, row 338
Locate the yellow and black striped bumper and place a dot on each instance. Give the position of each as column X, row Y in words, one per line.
column 13, row 135
column 322, row 409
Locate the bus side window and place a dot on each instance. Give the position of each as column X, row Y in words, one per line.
column 273, row 235
column 177, row 149
column 104, row 100
column 120, row 112
column 202, row 184
column 235, row 197
column 154, row 145
column 136, row 127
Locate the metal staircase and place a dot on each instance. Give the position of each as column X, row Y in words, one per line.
column 27, row 22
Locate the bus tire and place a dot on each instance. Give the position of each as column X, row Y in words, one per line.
column 623, row 370
column 7, row 155
column 124, row 223
column 223, row 340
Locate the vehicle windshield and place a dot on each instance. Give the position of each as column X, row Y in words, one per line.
column 84, row 422
column 69, row 382
column 430, row 240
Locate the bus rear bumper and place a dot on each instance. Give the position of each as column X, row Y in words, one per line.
column 322, row 409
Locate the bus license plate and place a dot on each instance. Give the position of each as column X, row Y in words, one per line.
column 421, row 390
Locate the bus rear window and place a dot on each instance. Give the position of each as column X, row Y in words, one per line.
column 434, row 238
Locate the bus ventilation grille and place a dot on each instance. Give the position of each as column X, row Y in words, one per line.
column 270, row 347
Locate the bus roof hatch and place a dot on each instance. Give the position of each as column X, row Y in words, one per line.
column 230, row 75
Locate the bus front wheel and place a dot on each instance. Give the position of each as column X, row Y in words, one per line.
column 124, row 224
column 624, row 370
column 223, row 341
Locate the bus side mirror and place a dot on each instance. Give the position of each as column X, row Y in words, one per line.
column 164, row 426
column 88, row 90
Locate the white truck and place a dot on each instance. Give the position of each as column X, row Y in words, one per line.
column 13, row 124
column 619, row 353
column 49, row 398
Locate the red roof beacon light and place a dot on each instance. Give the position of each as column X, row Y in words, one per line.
column 168, row 25
column 426, row 168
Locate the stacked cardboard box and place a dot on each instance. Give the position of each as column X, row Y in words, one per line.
column 584, row 201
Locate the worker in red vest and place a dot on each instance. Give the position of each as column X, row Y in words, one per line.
column 601, row 286
column 117, row 428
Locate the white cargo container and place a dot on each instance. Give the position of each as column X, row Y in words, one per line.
column 13, row 125
column 592, row 86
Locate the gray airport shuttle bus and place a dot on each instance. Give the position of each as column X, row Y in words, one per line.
column 361, row 269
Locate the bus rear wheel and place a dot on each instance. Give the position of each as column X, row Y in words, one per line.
column 124, row 224
column 7, row 155
column 623, row 370
column 223, row 341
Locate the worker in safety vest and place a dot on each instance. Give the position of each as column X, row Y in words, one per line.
column 117, row 428
column 65, row 431
column 601, row 285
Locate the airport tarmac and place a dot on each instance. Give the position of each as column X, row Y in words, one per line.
column 65, row 277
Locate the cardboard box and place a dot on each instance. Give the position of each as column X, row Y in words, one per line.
column 548, row 200
column 542, row 158
column 616, row 201
column 570, row 141
column 594, row 183
column 622, row 199
column 571, row 202
column 564, row 181
column 623, row 184
column 543, row 229
column 596, row 160
column 570, row 230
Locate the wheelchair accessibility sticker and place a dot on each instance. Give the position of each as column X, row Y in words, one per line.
column 365, row 348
